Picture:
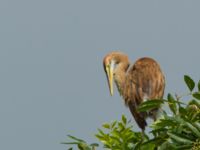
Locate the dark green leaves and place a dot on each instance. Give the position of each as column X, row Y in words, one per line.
column 199, row 85
column 118, row 135
column 81, row 144
column 190, row 83
column 196, row 95
column 172, row 103
column 176, row 129
column 150, row 104
column 124, row 119
column 194, row 130
column 106, row 125
column 178, row 138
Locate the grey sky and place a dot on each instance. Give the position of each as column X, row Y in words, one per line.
column 52, row 81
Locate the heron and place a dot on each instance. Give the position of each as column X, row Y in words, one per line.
column 142, row 81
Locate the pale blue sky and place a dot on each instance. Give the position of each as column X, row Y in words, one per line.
column 52, row 80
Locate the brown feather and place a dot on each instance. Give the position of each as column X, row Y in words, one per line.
column 144, row 80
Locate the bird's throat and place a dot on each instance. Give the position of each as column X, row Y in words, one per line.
column 120, row 78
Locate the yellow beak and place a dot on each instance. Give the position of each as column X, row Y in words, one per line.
column 109, row 71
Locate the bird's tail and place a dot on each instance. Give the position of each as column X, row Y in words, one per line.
column 139, row 117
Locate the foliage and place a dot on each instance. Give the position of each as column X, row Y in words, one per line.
column 81, row 144
column 119, row 136
column 179, row 129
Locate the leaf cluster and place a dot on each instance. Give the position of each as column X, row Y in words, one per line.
column 177, row 130
column 81, row 144
column 120, row 136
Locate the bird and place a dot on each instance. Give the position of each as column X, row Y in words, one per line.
column 142, row 81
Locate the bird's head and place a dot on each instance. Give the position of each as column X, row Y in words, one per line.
column 111, row 62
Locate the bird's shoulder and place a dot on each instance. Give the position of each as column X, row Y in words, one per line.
column 145, row 69
column 145, row 61
column 144, row 64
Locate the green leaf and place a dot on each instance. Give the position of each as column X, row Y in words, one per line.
column 115, row 139
column 94, row 145
column 121, row 126
column 193, row 129
column 101, row 132
column 83, row 146
column 196, row 95
column 179, row 138
column 113, row 124
column 70, row 143
column 190, row 83
column 184, row 147
column 100, row 137
column 197, row 125
column 106, row 125
column 124, row 119
column 75, row 138
column 199, row 85
column 182, row 111
column 149, row 105
column 157, row 131
column 156, row 141
column 166, row 146
column 162, row 123
column 148, row 146
column 172, row 103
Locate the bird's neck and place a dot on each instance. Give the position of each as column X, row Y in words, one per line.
column 120, row 76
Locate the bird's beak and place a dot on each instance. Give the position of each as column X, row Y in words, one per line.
column 109, row 71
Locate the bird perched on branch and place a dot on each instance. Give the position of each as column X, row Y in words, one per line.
column 140, row 82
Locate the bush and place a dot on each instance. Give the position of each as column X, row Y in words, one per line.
column 178, row 130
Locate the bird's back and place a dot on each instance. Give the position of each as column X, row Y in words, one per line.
column 144, row 81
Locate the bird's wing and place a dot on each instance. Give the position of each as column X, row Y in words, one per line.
column 144, row 81
column 147, row 79
column 139, row 117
